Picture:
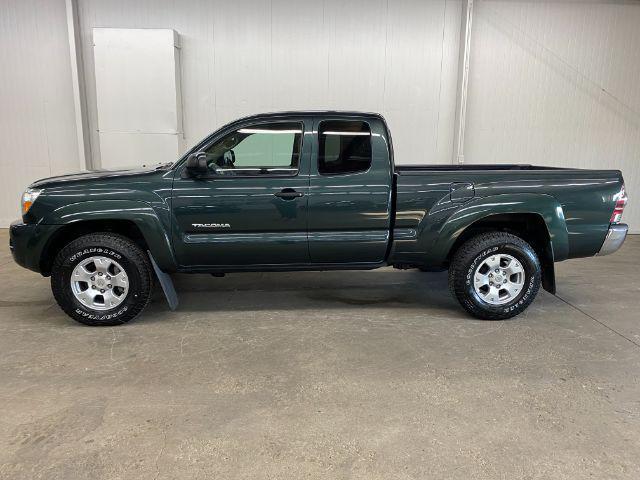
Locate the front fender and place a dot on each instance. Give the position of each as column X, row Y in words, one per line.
column 443, row 235
column 154, row 227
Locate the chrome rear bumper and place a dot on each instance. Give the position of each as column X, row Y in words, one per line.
column 614, row 239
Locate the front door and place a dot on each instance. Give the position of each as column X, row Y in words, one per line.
column 250, row 209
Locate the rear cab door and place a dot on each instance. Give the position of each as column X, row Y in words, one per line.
column 350, row 195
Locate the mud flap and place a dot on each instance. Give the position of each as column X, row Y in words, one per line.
column 166, row 283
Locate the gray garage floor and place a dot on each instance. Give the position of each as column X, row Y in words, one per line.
column 371, row 375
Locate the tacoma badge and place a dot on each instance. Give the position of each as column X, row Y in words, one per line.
column 211, row 225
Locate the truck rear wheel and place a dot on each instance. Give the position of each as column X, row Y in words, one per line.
column 102, row 279
column 495, row 275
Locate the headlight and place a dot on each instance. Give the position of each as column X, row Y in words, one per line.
column 28, row 197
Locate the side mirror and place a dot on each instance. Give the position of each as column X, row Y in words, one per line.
column 197, row 164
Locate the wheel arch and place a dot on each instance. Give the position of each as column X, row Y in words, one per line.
column 531, row 227
column 537, row 217
column 134, row 220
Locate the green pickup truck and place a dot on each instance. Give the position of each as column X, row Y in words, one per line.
column 311, row 191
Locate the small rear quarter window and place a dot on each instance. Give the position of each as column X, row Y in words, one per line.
column 345, row 147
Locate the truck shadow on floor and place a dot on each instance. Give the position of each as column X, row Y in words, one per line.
column 312, row 290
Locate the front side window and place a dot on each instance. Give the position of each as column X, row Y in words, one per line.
column 345, row 147
column 265, row 148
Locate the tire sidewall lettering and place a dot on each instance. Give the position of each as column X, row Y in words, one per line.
column 92, row 251
column 108, row 316
column 472, row 268
column 524, row 297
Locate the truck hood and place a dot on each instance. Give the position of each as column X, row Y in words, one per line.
column 97, row 175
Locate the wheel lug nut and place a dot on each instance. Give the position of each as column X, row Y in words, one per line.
column 93, row 279
column 491, row 284
column 108, row 277
column 505, row 281
column 93, row 286
column 109, row 286
column 101, row 291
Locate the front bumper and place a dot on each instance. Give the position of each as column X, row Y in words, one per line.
column 614, row 239
column 26, row 242
column 19, row 236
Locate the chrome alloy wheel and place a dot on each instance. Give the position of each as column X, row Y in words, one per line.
column 99, row 283
column 499, row 279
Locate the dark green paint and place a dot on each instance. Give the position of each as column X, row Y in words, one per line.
column 340, row 221
column 350, row 215
column 575, row 204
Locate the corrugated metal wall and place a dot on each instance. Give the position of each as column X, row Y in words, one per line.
column 551, row 82
column 556, row 83
column 37, row 122
column 242, row 57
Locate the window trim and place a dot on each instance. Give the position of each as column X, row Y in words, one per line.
column 259, row 175
column 317, row 131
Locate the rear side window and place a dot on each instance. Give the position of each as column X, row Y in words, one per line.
column 345, row 147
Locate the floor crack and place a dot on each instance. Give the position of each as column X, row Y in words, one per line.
column 597, row 321
column 164, row 445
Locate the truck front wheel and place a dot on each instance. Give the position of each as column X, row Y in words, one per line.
column 102, row 279
column 495, row 275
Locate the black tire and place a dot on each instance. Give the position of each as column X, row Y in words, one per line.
column 477, row 249
column 129, row 255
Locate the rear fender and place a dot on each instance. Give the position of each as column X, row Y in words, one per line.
column 444, row 234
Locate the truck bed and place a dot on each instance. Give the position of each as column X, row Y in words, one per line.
column 408, row 169
column 429, row 196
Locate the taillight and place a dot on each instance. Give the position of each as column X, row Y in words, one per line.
column 621, row 201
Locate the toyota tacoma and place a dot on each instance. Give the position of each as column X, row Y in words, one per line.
column 311, row 191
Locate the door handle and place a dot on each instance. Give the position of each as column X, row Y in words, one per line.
column 288, row 194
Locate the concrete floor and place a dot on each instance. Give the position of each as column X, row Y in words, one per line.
column 371, row 375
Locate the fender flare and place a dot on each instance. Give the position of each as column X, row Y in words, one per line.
column 446, row 233
column 154, row 230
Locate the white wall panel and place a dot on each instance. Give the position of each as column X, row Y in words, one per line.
column 37, row 129
column 356, row 44
column 138, row 100
column 241, row 57
column 420, row 79
column 299, row 55
column 556, row 83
